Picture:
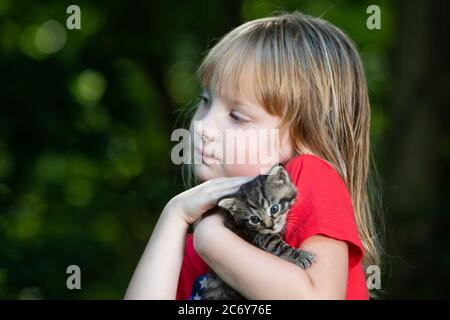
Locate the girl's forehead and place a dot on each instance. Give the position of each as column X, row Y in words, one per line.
column 239, row 91
column 241, row 83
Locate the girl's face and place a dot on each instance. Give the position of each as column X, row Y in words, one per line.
column 239, row 138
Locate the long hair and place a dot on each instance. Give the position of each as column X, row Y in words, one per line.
column 308, row 72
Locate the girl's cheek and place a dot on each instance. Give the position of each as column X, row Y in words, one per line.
column 250, row 162
column 205, row 173
column 250, row 159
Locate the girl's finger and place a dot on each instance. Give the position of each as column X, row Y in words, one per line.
column 235, row 181
column 215, row 196
column 225, row 188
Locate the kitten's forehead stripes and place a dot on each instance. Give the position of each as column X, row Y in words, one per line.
column 252, row 205
column 263, row 191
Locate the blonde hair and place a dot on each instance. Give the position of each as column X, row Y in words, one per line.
column 308, row 72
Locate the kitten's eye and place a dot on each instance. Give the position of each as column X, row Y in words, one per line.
column 254, row 219
column 275, row 208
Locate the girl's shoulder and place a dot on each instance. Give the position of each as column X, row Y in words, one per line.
column 308, row 157
column 311, row 165
column 319, row 184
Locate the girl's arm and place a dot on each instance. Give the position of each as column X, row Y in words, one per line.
column 156, row 276
column 158, row 271
column 257, row 274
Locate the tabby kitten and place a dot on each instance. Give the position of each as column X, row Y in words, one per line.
column 258, row 215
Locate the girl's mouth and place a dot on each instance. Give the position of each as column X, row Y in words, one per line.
column 206, row 156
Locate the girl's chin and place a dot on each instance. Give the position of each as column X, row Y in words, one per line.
column 205, row 172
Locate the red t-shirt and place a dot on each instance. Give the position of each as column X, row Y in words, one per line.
column 323, row 206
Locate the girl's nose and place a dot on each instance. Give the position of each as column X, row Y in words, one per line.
column 209, row 135
column 208, row 131
column 206, row 138
column 206, row 134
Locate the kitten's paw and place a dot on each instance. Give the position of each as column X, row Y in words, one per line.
column 304, row 259
column 259, row 239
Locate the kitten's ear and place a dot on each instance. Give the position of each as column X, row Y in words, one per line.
column 228, row 204
column 275, row 168
column 278, row 174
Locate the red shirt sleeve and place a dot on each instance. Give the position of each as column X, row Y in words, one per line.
column 324, row 207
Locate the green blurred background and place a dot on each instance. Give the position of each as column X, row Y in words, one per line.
column 86, row 117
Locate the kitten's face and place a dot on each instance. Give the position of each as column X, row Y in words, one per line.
column 261, row 204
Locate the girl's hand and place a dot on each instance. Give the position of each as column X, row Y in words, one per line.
column 192, row 203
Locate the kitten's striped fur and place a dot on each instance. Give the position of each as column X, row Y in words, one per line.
column 259, row 198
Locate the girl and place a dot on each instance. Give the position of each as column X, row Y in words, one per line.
column 303, row 76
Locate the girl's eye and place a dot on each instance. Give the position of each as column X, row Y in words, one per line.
column 236, row 118
column 254, row 219
column 204, row 100
column 275, row 208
